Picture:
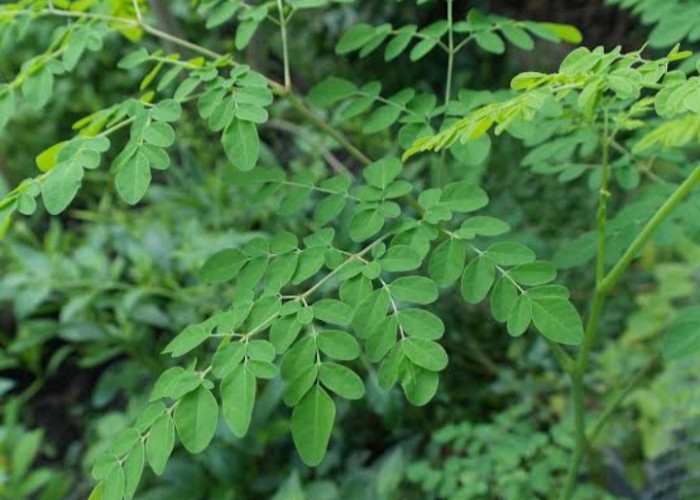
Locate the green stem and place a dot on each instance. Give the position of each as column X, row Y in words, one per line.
column 661, row 214
column 602, row 289
column 285, row 49
column 577, row 373
column 450, row 53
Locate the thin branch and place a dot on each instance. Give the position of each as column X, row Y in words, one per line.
column 330, row 158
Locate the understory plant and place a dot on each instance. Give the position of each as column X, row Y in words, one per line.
column 387, row 230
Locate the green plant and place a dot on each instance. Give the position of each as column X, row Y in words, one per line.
column 19, row 448
column 350, row 280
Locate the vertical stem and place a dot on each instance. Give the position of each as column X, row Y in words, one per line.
column 450, row 52
column 591, row 333
column 137, row 10
column 603, row 201
column 285, row 48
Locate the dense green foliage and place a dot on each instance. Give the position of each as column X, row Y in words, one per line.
column 253, row 241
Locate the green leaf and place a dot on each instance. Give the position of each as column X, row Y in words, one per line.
column 399, row 43
column 283, row 333
column 160, row 443
column 221, row 13
column 520, row 316
column 241, row 144
column 329, row 208
column 133, row 178
column 114, row 484
column 195, row 419
column 414, row 289
column 534, row 273
column 338, row 345
column 447, row 262
column 401, row 258
column 341, row 380
column 683, row 338
column 330, row 91
column 238, row 399
column 425, row 353
column 490, row 42
column 310, row 262
column 365, row 224
column 222, row 266
column 133, row 59
column 477, row 279
column 383, row 172
column 36, row 89
column 333, row 311
column 510, row 253
column 187, row 340
column 381, row 118
column 167, row 110
column 557, row 319
column 503, row 298
column 565, row 32
column 133, row 469
column 61, row 186
column 300, row 385
column 24, row 452
column 518, row 37
column 422, row 324
column 245, row 33
column 159, row 134
column 419, row 385
column 354, row 38
column 312, row 423
column 423, row 48
column 473, row 152
column 463, row 197
column 370, row 312
column 483, row 226
column 381, row 338
column 227, row 358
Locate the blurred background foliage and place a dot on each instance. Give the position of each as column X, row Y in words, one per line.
column 88, row 300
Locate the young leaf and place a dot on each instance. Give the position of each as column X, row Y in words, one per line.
column 312, row 422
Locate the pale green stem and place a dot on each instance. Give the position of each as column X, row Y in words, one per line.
column 285, row 48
